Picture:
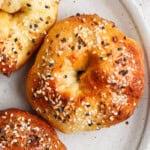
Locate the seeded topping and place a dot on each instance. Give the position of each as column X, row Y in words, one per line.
column 29, row 27
column 109, row 54
column 113, row 25
column 102, row 42
column 35, row 25
column 25, row 132
column 33, row 40
column 115, row 39
column 29, row 5
column 124, row 72
column 85, row 77
column 119, row 48
column 41, row 19
column 57, row 35
column 63, row 40
column 124, row 37
column 78, row 14
column 65, row 76
column 47, row 22
column 46, row 6
column 15, row 39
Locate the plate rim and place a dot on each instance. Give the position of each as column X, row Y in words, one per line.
column 144, row 34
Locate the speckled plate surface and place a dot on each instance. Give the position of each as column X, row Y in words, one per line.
column 132, row 134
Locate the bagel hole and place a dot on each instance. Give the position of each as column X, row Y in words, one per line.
column 79, row 74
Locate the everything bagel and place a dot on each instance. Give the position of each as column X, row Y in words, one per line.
column 20, row 130
column 87, row 75
column 23, row 24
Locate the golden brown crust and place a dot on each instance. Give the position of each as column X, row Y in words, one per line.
column 23, row 25
column 21, row 130
column 87, row 75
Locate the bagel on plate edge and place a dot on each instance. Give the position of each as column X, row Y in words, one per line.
column 23, row 25
column 87, row 75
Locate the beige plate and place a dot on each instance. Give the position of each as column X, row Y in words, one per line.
column 133, row 136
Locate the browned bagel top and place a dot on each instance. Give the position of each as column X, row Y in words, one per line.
column 20, row 130
column 87, row 75
column 23, row 25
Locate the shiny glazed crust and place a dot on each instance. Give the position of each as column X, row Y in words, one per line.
column 87, row 75
column 20, row 130
column 23, row 24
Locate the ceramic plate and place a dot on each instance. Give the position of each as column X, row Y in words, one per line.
column 132, row 134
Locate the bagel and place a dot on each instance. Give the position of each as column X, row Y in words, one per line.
column 87, row 75
column 23, row 24
column 20, row 130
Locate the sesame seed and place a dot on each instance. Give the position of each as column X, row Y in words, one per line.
column 124, row 37
column 15, row 40
column 72, row 47
column 119, row 49
column 78, row 14
column 35, row 25
column 3, row 117
column 4, row 69
column 30, row 26
column 79, row 46
column 33, row 40
column 11, row 115
column 115, row 39
column 63, row 40
column 124, row 72
column 41, row 19
column 87, row 105
column 109, row 54
column 65, row 76
column 51, row 64
column 57, row 35
column 113, row 25
column 46, row 6
column 103, row 27
column 29, row 5
column 87, row 114
column 15, row 52
column 90, row 123
column 111, row 118
column 126, row 122
column 102, row 42
column 46, row 22
column 117, row 61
